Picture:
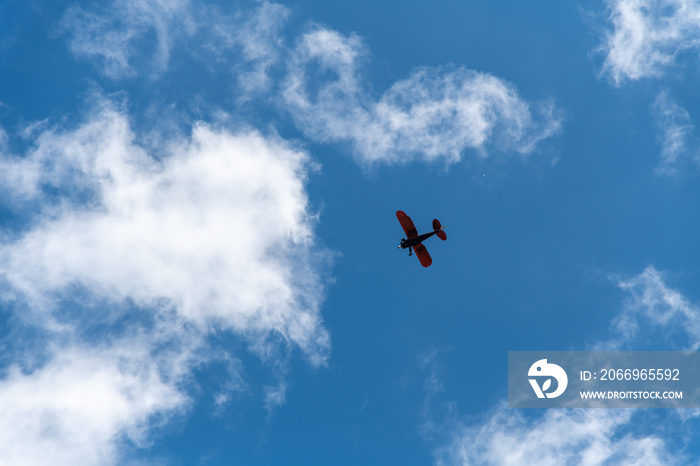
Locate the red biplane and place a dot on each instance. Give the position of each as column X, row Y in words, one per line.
column 413, row 240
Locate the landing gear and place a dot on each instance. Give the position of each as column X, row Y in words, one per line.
column 410, row 251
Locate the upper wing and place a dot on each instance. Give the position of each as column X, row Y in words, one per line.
column 407, row 225
column 423, row 255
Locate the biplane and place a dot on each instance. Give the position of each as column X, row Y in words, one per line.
column 414, row 241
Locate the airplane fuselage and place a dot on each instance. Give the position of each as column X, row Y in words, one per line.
column 409, row 243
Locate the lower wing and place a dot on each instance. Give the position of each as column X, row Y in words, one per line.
column 423, row 255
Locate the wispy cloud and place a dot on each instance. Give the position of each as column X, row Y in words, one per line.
column 647, row 37
column 433, row 385
column 434, row 114
column 129, row 263
column 652, row 313
column 676, row 135
column 251, row 42
column 584, row 437
column 114, row 38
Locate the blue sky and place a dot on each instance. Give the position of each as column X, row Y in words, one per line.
column 198, row 259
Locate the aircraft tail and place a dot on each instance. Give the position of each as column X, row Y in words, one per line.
column 439, row 229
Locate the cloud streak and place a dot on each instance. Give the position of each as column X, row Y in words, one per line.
column 131, row 38
column 647, row 37
column 434, row 114
column 654, row 313
column 584, row 437
column 114, row 38
column 676, row 135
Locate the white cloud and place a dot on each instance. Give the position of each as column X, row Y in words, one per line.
column 218, row 230
column 257, row 35
column 654, row 311
column 647, row 37
column 117, row 37
column 82, row 404
column 583, row 437
column 131, row 262
column 433, row 114
column 275, row 396
column 676, row 133
column 587, row 436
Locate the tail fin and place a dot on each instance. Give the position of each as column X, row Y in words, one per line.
column 439, row 228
